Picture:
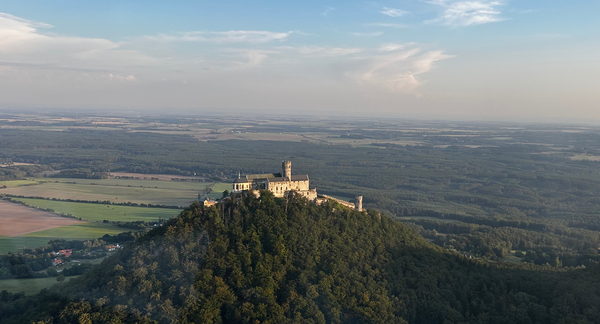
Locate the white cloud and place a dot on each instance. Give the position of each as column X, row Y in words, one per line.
column 374, row 34
column 240, row 59
column 222, row 37
column 317, row 51
column 22, row 45
column 327, row 11
column 390, row 25
column 117, row 77
column 397, row 70
column 35, row 60
column 392, row 12
column 467, row 13
column 256, row 57
column 390, row 47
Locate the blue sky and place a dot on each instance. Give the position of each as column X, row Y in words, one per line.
column 517, row 60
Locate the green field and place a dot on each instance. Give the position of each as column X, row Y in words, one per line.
column 140, row 195
column 12, row 244
column 100, row 212
column 218, row 188
column 29, row 286
column 84, row 231
column 17, row 183
column 78, row 231
column 179, row 185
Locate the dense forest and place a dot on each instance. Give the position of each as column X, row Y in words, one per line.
column 269, row 260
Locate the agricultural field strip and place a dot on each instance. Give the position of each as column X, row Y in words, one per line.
column 116, row 194
column 87, row 230
column 18, row 219
column 13, row 244
column 139, row 183
column 100, row 212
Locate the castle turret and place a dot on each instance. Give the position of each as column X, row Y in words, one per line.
column 287, row 169
column 358, row 203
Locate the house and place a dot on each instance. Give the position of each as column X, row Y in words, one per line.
column 67, row 253
column 207, row 202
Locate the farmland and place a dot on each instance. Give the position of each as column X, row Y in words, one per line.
column 78, row 231
column 114, row 193
column 139, row 183
column 18, row 220
column 17, row 183
column 82, row 230
column 15, row 243
column 29, row 227
column 100, row 212
column 160, row 177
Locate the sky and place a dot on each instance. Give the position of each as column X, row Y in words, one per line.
column 528, row 60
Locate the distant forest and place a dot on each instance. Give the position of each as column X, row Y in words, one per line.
column 486, row 200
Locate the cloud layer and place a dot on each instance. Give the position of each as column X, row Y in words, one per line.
column 222, row 37
column 393, row 12
column 22, row 43
column 467, row 13
column 223, row 64
column 398, row 67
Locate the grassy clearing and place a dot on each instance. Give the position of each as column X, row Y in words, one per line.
column 83, row 231
column 100, row 212
column 29, row 286
column 13, row 244
column 217, row 190
column 78, row 231
column 158, row 196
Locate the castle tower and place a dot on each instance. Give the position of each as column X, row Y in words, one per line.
column 358, row 203
column 287, row 169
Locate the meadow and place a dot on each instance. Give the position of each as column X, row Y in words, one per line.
column 100, row 212
column 217, row 190
column 13, row 244
column 81, row 231
column 29, row 286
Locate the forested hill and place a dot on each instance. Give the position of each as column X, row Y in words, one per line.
column 270, row 260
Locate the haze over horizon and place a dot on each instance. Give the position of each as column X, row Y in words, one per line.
column 471, row 60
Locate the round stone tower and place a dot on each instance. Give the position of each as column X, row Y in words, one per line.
column 287, row 169
column 358, row 203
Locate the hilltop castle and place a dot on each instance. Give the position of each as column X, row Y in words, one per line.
column 280, row 184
